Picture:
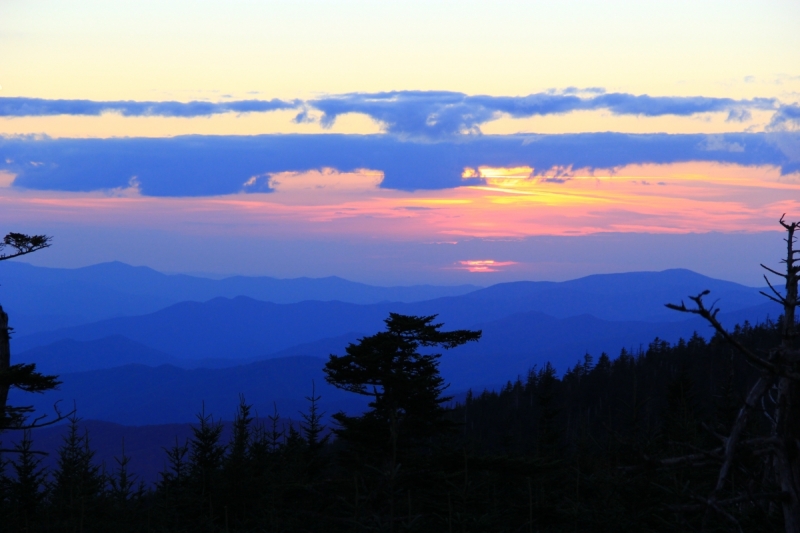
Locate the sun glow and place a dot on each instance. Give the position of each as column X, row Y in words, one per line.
column 512, row 203
column 484, row 265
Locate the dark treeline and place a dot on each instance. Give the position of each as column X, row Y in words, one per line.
column 603, row 447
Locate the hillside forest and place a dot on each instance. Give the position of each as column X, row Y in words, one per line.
column 691, row 436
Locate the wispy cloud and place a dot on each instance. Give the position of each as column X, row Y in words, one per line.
column 786, row 118
column 37, row 107
column 434, row 114
column 415, row 114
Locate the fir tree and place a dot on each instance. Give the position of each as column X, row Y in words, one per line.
column 27, row 489
column 78, row 484
column 206, row 455
column 125, row 490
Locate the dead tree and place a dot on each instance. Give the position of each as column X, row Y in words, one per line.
column 776, row 394
column 21, row 376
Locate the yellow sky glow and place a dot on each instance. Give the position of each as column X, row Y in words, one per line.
column 679, row 198
column 110, row 125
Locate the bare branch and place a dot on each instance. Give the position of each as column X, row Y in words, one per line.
column 713, row 432
column 758, row 445
column 14, row 450
column 777, row 496
column 790, row 355
column 711, row 317
column 781, row 301
column 38, row 421
column 779, row 295
column 763, row 384
column 715, row 506
column 765, row 411
column 773, row 271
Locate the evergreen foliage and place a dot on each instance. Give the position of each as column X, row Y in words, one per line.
column 657, row 439
column 26, row 489
column 588, row 450
column 20, row 376
column 78, row 483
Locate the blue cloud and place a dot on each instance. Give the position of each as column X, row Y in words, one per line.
column 437, row 114
column 412, row 114
column 787, row 117
column 213, row 165
column 33, row 107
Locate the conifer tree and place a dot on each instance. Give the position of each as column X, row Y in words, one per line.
column 312, row 425
column 172, row 494
column 237, row 470
column 406, row 392
column 78, row 483
column 206, row 455
column 548, row 435
column 124, row 486
column 27, row 489
column 20, row 376
column 404, row 385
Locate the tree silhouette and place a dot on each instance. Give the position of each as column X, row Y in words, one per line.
column 26, row 490
column 78, row 484
column 776, row 394
column 21, row 376
column 406, row 390
column 404, row 384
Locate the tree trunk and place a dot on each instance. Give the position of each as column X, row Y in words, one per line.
column 5, row 362
column 788, row 422
column 788, row 458
column 787, row 427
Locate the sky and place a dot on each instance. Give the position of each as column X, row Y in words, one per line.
column 402, row 142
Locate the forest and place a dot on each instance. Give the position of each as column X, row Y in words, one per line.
column 691, row 436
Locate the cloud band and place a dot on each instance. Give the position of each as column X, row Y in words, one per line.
column 425, row 114
column 39, row 107
column 215, row 165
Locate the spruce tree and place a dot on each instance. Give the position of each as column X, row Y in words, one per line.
column 77, row 483
column 27, row 489
column 238, row 476
column 125, row 491
column 206, row 455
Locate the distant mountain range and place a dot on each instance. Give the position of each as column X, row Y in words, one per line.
column 245, row 328
column 138, row 394
column 162, row 366
column 39, row 299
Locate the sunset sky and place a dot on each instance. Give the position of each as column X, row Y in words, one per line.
column 402, row 142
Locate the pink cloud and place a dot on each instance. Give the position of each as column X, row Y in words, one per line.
column 694, row 198
column 484, row 265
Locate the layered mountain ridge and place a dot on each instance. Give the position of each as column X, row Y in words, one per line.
column 195, row 353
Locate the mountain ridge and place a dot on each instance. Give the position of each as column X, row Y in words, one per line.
column 36, row 297
column 137, row 394
column 253, row 328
